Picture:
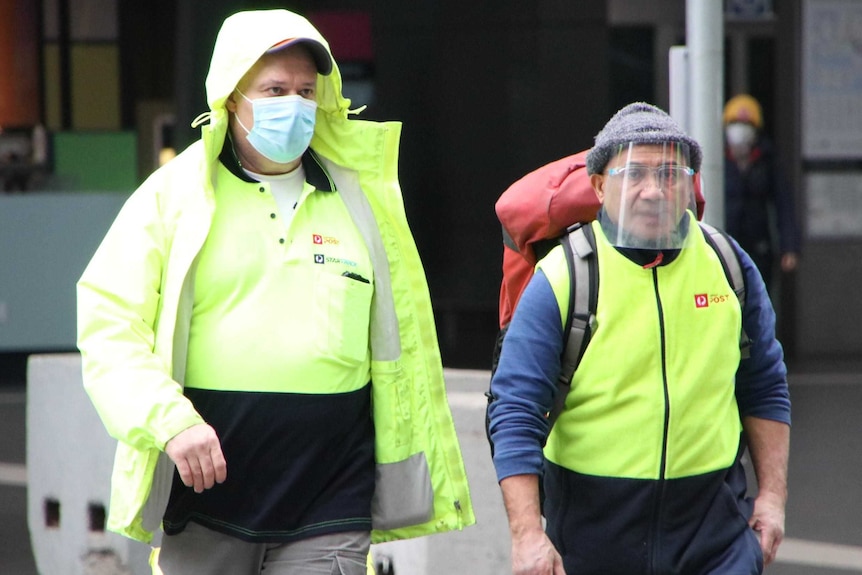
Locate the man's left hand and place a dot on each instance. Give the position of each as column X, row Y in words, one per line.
column 789, row 261
column 768, row 521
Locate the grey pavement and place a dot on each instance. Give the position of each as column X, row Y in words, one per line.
column 824, row 514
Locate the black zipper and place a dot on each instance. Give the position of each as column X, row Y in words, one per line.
column 658, row 499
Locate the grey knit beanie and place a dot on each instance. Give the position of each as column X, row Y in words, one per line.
column 640, row 123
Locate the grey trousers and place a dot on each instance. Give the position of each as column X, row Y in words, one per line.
column 201, row 551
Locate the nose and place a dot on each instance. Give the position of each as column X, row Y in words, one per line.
column 652, row 187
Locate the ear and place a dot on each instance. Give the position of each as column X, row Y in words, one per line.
column 598, row 183
column 230, row 103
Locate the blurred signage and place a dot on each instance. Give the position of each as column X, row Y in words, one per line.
column 832, row 79
column 748, row 9
column 834, row 204
column 350, row 38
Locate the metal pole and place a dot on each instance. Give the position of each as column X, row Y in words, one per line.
column 64, row 42
column 679, row 91
column 704, row 31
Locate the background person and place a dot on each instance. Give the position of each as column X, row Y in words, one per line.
column 759, row 204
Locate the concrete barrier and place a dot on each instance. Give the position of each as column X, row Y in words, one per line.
column 69, row 460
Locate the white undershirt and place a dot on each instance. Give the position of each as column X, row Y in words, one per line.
column 286, row 190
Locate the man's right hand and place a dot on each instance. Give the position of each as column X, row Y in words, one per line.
column 196, row 451
column 534, row 554
column 532, row 550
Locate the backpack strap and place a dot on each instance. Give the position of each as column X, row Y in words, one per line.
column 720, row 242
column 579, row 245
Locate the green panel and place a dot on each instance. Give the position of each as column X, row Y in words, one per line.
column 96, row 161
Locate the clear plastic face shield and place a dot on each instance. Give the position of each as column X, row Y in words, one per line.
column 646, row 190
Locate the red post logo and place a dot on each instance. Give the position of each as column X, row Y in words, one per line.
column 701, row 300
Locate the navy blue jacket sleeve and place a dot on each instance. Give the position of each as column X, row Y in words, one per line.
column 761, row 379
column 525, row 381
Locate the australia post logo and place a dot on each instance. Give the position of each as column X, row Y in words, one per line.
column 704, row 300
column 320, row 240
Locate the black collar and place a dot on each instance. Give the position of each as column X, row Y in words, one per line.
column 647, row 257
column 315, row 174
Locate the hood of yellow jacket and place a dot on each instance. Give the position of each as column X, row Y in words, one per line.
column 244, row 37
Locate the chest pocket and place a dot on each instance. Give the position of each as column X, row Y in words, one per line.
column 341, row 314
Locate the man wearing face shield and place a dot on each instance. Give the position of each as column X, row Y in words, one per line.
column 255, row 329
column 759, row 205
column 642, row 469
column 646, row 192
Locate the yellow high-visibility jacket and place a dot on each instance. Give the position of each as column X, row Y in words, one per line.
column 135, row 298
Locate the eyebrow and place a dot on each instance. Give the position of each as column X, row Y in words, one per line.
column 280, row 82
column 642, row 165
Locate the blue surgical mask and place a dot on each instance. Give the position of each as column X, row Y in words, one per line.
column 283, row 126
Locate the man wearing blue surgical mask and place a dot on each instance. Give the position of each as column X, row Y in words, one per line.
column 234, row 317
column 277, row 97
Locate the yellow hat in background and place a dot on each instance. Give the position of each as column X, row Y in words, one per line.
column 743, row 108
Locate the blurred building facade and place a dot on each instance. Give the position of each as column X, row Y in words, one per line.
column 486, row 91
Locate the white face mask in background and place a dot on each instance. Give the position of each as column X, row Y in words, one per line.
column 740, row 135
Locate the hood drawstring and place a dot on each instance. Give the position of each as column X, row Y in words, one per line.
column 205, row 117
